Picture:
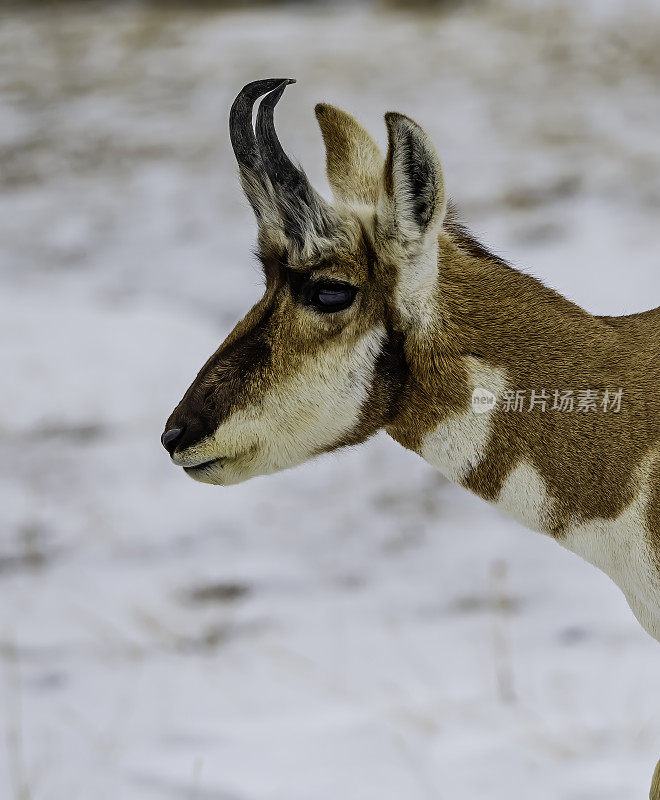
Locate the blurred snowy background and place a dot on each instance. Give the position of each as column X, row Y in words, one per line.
column 357, row 628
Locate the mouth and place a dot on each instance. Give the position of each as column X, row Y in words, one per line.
column 199, row 468
column 219, row 471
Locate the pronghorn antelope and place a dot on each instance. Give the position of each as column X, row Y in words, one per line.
column 381, row 311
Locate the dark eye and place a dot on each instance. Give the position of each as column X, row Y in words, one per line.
column 328, row 296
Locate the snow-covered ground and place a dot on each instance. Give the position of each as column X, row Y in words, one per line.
column 357, row 628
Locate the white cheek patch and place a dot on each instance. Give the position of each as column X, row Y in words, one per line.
column 305, row 414
column 459, row 443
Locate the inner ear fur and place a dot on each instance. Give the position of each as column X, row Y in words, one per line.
column 354, row 164
column 413, row 202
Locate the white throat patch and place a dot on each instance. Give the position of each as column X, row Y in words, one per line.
column 458, row 444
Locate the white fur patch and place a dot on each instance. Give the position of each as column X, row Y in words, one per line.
column 416, row 287
column 620, row 548
column 525, row 498
column 458, row 444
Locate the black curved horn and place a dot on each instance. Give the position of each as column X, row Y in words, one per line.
column 241, row 133
column 243, row 140
column 299, row 204
column 281, row 171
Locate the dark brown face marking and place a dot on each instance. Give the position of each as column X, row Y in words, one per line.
column 228, row 379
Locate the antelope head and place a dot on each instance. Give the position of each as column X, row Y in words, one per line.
column 322, row 360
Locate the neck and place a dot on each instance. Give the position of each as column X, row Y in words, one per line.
column 505, row 332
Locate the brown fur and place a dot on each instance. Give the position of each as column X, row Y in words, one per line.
column 588, row 461
column 351, row 155
column 484, row 309
column 432, row 305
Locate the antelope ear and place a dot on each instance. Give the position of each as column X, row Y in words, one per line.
column 354, row 163
column 412, row 202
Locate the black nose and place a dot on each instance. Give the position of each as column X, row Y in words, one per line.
column 170, row 439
